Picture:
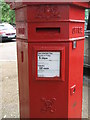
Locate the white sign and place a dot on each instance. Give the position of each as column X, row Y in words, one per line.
column 48, row 64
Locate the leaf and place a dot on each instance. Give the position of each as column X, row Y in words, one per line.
column 8, row 15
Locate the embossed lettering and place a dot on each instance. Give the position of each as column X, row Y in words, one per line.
column 77, row 30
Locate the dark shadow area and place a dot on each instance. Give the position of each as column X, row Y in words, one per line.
column 88, row 27
column 8, row 40
column 86, row 71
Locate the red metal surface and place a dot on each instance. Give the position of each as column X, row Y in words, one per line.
column 24, row 87
column 66, row 104
column 51, row 31
column 48, row 90
column 47, row 28
column 41, row 25
column 75, row 78
column 46, row 13
column 16, row 5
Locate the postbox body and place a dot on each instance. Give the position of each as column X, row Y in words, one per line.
column 50, row 48
column 51, row 97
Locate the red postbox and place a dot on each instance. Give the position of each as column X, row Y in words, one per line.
column 50, row 45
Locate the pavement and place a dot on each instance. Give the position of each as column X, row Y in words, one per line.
column 9, row 81
column 9, row 94
column 8, row 51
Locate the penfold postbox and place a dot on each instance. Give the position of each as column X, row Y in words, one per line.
column 50, row 49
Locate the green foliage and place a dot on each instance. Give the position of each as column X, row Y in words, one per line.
column 8, row 15
column 86, row 14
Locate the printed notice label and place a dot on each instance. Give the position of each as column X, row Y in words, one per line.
column 48, row 64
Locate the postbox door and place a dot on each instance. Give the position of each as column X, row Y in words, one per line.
column 48, row 77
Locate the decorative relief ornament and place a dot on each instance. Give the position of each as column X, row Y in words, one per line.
column 48, row 105
column 47, row 12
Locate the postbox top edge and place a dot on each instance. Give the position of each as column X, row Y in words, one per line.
column 79, row 4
